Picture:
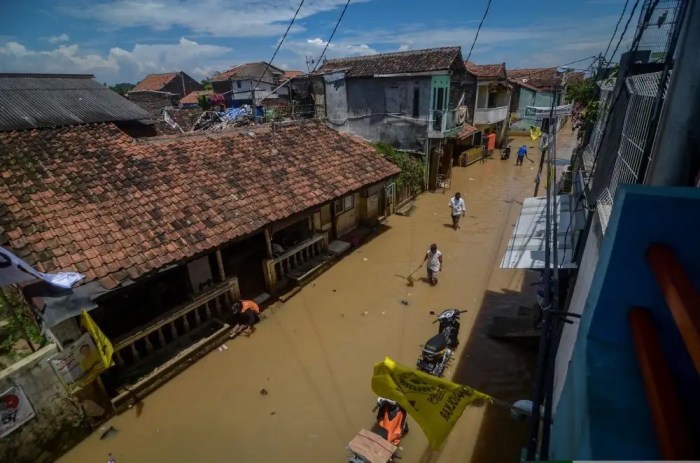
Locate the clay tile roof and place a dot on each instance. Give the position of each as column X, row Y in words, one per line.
column 155, row 82
column 485, row 71
column 254, row 70
column 542, row 79
column 291, row 74
column 467, row 131
column 191, row 98
column 404, row 62
column 89, row 198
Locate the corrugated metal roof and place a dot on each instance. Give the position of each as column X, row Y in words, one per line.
column 46, row 100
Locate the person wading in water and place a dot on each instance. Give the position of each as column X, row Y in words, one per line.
column 434, row 259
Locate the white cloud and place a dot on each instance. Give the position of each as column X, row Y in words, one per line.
column 404, row 47
column 312, row 48
column 118, row 65
column 58, row 38
column 221, row 18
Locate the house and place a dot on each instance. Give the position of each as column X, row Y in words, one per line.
column 492, row 104
column 413, row 100
column 292, row 74
column 251, row 82
column 191, row 100
column 33, row 101
column 158, row 91
column 168, row 230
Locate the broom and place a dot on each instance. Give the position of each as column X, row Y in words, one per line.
column 410, row 277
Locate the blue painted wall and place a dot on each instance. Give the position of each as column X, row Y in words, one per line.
column 603, row 412
column 530, row 98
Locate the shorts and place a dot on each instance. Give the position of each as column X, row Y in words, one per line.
column 248, row 318
column 455, row 219
column 432, row 274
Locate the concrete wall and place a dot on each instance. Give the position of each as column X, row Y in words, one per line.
column 529, row 98
column 59, row 422
column 381, row 110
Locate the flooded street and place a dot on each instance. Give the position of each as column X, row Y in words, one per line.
column 314, row 354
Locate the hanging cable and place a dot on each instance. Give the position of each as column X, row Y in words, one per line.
column 478, row 29
column 622, row 15
column 634, row 8
column 279, row 45
column 331, row 37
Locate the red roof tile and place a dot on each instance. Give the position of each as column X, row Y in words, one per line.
column 249, row 70
column 467, row 131
column 291, row 74
column 542, row 79
column 155, row 82
column 403, row 62
column 486, row 71
column 90, row 198
column 191, row 98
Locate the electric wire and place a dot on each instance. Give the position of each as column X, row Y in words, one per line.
column 331, row 37
column 478, row 29
column 619, row 20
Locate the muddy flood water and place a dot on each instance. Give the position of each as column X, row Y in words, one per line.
column 313, row 355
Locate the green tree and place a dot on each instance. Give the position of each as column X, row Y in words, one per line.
column 204, row 102
column 585, row 93
column 16, row 323
column 122, row 88
column 412, row 169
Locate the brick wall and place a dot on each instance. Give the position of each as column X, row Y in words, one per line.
column 59, row 422
column 175, row 85
column 153, row 102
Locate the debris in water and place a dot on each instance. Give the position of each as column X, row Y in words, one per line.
column 263, row 391
column 334, row 290
column 384, row 313
column 408, row 294
column 364, row 259
column 342, row 315
column 471, row 178
column 111, row 458
column 108, row 432
column 364, row 313
column 432, row 312
column 404, row 301
column 272, row 413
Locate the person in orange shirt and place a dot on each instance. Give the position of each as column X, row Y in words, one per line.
column 246, row 314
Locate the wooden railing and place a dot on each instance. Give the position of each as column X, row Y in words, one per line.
column 281, row 267
column 151, row 338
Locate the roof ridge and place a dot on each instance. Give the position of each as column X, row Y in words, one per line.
column 407, row 52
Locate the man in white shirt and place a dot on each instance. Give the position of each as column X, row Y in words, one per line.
column 459, row 209
column 434, row 259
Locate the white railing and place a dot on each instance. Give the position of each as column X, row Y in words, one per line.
column 490, row 115
column 442, row 122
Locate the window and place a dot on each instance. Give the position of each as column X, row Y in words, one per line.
column 416, row 102
column 344, row 204
column 238, row 84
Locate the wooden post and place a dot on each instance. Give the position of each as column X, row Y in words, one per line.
column 220, row 265
column 268, row 242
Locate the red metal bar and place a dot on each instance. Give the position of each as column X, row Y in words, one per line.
column 669, row 423
column 682, row 298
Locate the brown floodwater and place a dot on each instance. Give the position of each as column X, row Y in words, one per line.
column 314, row 354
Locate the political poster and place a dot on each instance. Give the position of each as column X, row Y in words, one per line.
column 78, row 364
column 15, row 410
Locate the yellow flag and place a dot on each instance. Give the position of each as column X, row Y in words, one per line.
column 535, row 132
column 104, row 346
column 435, row 403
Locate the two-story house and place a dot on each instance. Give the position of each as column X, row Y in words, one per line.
column 249, row 83
column 410, row 100
column 491, row 107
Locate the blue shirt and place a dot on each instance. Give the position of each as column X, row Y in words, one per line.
column 522, row 151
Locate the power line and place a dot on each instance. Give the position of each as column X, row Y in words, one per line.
column 478, row 29
column 279, row 45
column 331, row 37
column 634, row 8
column 622, row 15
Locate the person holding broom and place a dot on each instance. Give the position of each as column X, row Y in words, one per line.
column 434, row 259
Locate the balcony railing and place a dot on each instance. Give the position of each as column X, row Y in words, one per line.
column 490, row 115
column 151, row 338
column 442, row 122
column 298, row 261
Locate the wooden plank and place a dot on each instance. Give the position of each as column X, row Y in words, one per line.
column 682, row 298
column 669, row 423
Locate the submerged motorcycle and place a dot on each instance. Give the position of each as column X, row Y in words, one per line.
column 439, row 349
column 382, row 444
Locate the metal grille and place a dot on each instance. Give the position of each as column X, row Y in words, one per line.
column 642, row 89
column 656, row 34
column 589, row 152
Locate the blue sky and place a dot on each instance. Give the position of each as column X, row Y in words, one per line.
column 123, row 40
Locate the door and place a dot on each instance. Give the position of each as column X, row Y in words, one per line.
column 389, row 199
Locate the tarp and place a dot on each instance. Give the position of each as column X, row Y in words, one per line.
column 14, row 270
column 435, row 403
column 526, row 248
column 104, row 345
column 15, row 410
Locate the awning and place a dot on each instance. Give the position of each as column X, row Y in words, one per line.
column 467, row 131
column 526, row 247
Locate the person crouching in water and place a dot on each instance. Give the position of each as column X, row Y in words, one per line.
column 246, row 314
column 434, row 259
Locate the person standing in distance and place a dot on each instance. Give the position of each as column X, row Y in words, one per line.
column 458, row 208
